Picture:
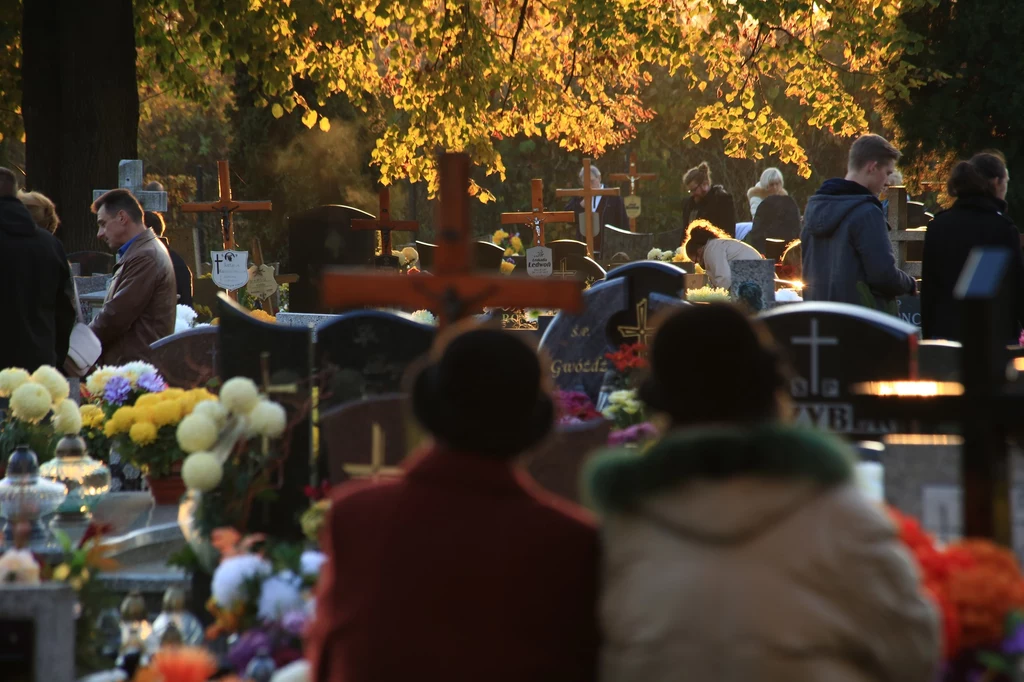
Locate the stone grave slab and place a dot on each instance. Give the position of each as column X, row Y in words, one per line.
column 760, row 272
column 635, row 245
column 426, row 251
column 669, row 240
column 242, row 341
column 321, row 237
column 487, row 255
column 657, row 304
column 832, row 346
column 348, row 436
column 910, row 309
column 575, row 344
column 90, row 285
column 643, row 278
column 37, row 632
column 187, row 359
column 93, row 262
column 92, row 304
column 555, row 464
column 560, row 248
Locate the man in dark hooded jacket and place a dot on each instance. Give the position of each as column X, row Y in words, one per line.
column 847, row 255
column 35, row 273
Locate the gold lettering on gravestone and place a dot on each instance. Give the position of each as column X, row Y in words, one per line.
column 576, row 331
column 595, row 366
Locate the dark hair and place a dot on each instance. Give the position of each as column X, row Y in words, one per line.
column 868, row 148
column 119, row 200
column 736, row 378
column 698, row 234
column 699, row 174
column 155, row 222
column 974, row 177
column 8, row 182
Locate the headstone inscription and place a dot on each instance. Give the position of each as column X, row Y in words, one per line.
column 246, row 346
column 632, row 323
column 187, row 359
column 349, row 436
column 910, row 309
column 130, row 177
column 576, row 344
column 321, row 237
column 93, row 262
column 830, row 348
column 555, row 464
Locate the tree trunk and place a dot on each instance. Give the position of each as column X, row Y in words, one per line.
column 80, row 104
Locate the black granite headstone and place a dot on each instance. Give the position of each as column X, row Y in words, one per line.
column 669, row 240
column 576, row 344
column 831, row 347
column 187, row 359
column 322, row 237
column 348, row 435
column 487, row 256
column 93, row 262
column 910, row 309
column 243, row 340
column 635, row 245
column 560, row 248
column 645, row 277
column 426, row 251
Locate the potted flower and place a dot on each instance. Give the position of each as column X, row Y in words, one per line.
column 707, row 294
column 39, row 411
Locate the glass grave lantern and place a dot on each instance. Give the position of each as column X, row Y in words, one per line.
column 87, row 480
column 25, row 497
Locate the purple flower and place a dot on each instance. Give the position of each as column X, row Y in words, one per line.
column 294, row 622
column 1014, row 644
column 632, row 434
column 154, row 383
column 117, row 390
column 249, row 644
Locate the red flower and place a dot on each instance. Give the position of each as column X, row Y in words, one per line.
column 629, row 356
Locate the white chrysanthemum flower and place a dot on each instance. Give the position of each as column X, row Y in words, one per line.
column 67, row 420
column 133, row 370
column 53, row 381
column 268, row 419
column 226, row 587
column 654, row 254
column 18, row 567
column 196, row 433
column 30, row 402
column 280, row 594
column 10, row 379
column 620, row 397
column 311, row 562
column 202, row 471
column 400, row 256
column 212, row 410
column 424, row 317
column 239, row 395
column 97, row 381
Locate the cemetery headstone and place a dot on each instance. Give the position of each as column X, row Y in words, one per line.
column 348, row 436
column 669, row 240
column 910, row 309
column 93, row 262
column 321, row 237
column 583, row 269
column 939, row 360
column 76, row 269
column 187, row 359
column 634, row 244
column 385, row 225
column 632, row 323
column 576, row 344
column 244, row 342
column 831, row 347
column 487, row 256
column 760, row 272
column 130, row 177
column 561, row 248
column 204, row 296
column 90, row 285
column 556, row 463
column 426, row 251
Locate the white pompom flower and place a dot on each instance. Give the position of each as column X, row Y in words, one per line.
column 10, row 379
column 53, row 381
column 196, row 433
column 239, row 395
column 212, row 410
column 227, row 585
column 280, row 594
column 67, row 419
column 268, row 419
column 202, row 471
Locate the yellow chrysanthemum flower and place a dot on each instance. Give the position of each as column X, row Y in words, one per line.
column 113, row 428
column 67, row 420
column 507, row 268
column 166, row 412
column 30, row 402
column 53, row 381
column 499, row 236
column 10, row 379
column 143, row 414
column 172, row 393
column 92, row 415
column 516, row 243
column 148, row 399
column 142, row 433
column 124, row 417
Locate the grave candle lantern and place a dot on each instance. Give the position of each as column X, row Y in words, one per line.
column 25, row 497
column 87, row 480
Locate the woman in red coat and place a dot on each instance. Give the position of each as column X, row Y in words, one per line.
column 462, row 570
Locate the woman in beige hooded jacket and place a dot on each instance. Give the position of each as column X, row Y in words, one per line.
column 739, row 549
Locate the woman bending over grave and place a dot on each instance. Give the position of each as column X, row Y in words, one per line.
column 461, row 570
column 738, row 547
column 977, row 218
column 713, row 250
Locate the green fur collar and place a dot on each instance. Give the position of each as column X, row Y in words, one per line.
column 617, row 480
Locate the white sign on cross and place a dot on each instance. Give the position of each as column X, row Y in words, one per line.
column 815, row 342
column 129, row 174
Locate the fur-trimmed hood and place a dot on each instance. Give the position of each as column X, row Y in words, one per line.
column 763, row 193
column 720, row 484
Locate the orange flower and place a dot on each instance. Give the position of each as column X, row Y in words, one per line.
column 225, row 541
column 984, row 591
column 184, row 664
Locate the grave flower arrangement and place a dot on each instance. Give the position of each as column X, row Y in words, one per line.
column 978, row 589
column 669, row 256
column 619, row 402
column 707, row 294
column 39, row 410
column 512, row 243
column 261, row 592
column 574, row 407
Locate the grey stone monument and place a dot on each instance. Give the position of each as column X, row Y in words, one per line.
column 129, row 174
column 37, row 632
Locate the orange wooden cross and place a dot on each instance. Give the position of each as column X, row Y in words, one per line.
column 453, row 291
column 586, row 194
column 537, row 218
column 632, row 176
column 385, row 224
column 226, row 206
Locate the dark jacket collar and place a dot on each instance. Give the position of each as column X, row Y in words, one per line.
column 619, row 480
column 15, row 218
column 841, row 187
column 981, row 202
column 460, row 471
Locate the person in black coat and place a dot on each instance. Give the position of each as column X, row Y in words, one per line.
column 36, row 276
column 608, row 210
column 977, row 218
column 182, row 273
column 708, row 202
column 777, row 217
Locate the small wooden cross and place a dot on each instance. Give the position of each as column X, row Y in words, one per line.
column 269, row 389
column 376, row 467
column 641, row 332
column 385, row 224
column 226, row 206
column 537, row 217
column 586, row 194
column 632, row 176
column 257, row 260
column 453, row 291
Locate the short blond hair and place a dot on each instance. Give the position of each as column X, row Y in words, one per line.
column 42, row 210
column 770, row 176
column 868, row 148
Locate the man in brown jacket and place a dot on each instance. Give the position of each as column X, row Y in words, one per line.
column 139, row 307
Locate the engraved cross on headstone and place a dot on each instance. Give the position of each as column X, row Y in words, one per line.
column 815, row 342
column 129, row 177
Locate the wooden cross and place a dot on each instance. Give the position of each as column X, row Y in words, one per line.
column 257, row 260
column 226, row 206
column 385, row 224
column 538, row 217
column 376, row 468
column 632, row 176
column 453, row 291
column 586, row 194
